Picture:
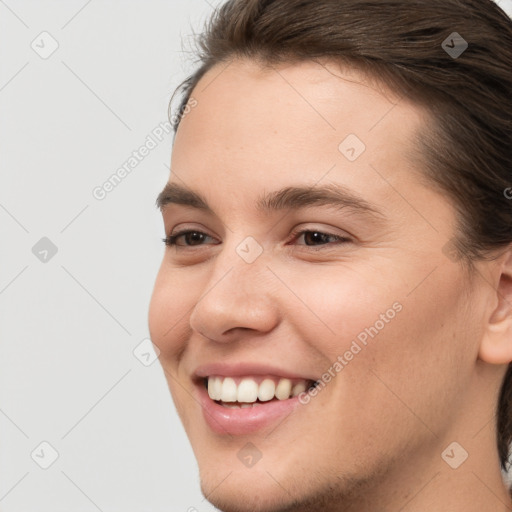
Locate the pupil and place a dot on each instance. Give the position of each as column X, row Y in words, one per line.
column 194, row 236
column 315, row 236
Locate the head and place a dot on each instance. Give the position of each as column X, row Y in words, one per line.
column 339, row 223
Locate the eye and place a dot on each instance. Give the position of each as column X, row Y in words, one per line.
column 313, row 237
column 189, row 237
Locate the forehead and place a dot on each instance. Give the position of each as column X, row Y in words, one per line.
column 305, row 109
column 257, row 128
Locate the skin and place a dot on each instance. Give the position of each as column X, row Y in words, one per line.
column 372, row 439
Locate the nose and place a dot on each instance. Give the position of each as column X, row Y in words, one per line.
column 238, row 296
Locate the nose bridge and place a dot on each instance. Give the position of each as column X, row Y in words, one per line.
column 237, row 294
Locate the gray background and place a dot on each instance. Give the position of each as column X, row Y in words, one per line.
column 70, row 321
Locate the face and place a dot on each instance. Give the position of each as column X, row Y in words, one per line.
column 312, row 251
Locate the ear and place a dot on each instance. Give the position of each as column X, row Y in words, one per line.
column 496, row 344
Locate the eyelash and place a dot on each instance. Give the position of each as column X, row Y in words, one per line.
column 171, row 239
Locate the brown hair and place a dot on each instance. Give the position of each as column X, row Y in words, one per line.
column 466, row 152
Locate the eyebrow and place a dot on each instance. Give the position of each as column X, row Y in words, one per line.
column 294, row 198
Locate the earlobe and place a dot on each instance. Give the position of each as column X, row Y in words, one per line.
column 496, row 344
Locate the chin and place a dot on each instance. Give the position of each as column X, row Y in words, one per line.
column 247, row 495
column 276, row 489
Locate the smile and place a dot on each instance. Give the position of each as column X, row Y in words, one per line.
column 246, row 392
column 239, row 403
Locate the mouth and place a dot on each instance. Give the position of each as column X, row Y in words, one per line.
column 253, row 391
column 239, row 404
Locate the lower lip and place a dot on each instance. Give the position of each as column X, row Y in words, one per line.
column 224, row 420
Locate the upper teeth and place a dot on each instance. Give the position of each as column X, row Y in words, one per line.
column 248, row 390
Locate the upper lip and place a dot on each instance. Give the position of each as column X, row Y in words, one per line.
column 241, row 369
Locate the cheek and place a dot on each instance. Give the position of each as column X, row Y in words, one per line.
column 333, row 306
column 394, row 318
column 392, row 337
column 169, row 309
column 417, row 367
column 169, row 331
